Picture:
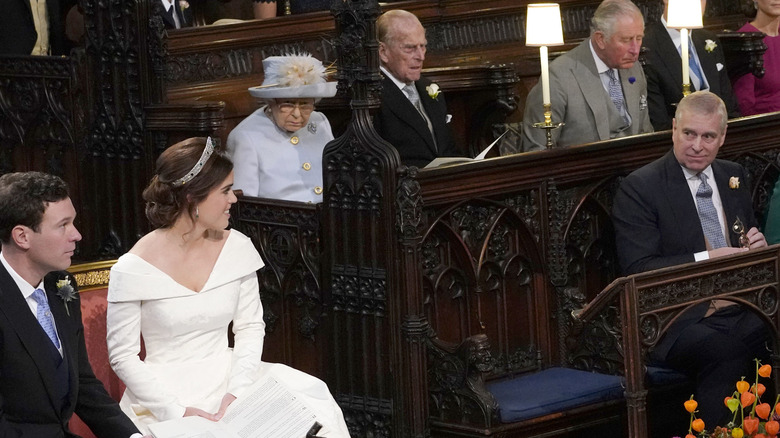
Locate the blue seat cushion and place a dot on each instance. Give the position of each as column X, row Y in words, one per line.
column 552, row 390
column 659, row 376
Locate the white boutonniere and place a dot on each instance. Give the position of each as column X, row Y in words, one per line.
column 734, row 182
column 66, row 292
column 433, row 91
column 183, row 4
column 709, row 45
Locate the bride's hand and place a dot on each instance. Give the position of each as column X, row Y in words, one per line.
column 226, row 401
column 195, row 412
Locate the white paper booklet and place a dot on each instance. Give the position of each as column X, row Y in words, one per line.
column 443, row 161
column 267, row 410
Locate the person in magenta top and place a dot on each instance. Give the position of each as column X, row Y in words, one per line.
column 762, row 95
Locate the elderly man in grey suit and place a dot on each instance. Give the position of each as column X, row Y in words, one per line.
column 597, row 89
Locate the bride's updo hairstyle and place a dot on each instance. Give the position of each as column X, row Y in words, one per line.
column 185, row 175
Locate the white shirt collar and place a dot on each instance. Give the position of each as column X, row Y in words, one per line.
column 600, row 65
column 690, row 174
column 397, row 83
column 26, row 288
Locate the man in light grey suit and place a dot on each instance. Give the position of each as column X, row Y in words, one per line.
column 597, row 89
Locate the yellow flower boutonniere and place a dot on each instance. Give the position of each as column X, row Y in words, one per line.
column 709, row 45
column 734, row 182
column 66, row 292
column 433, row 91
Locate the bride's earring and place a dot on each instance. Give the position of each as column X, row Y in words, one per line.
column 197, row 213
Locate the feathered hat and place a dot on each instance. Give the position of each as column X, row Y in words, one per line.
column 294, row 76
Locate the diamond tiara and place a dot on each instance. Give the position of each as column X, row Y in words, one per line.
column 207, row 151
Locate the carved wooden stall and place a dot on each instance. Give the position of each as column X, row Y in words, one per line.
column 645, row 305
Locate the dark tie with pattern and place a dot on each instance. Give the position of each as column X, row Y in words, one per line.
column 708, row 215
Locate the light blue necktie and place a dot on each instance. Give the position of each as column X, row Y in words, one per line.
column 708, row 215
column 693, row 65
column 44, row 316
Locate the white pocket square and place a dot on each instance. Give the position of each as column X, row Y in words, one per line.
column 448, row 118
column 719, row 66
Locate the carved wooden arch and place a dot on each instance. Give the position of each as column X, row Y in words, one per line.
column 515, row 340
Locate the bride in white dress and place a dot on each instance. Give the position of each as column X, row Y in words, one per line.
column 180, row 287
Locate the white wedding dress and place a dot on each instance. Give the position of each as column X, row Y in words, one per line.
column 188, row 361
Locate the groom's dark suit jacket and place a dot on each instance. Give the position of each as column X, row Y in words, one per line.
column 39, row 390
column 401, row 125
column 663, row 69
column 657, row 223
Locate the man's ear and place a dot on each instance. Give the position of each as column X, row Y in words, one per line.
column 383, row 53
column 599, row 40
column 20, row 235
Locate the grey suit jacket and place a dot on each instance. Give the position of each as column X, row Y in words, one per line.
column 579, row 100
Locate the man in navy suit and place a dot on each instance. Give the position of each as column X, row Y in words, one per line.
column 666, row 214
column 663, row 69
column 45, row 376
column 413, row 115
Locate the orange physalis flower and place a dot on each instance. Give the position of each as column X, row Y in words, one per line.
column 772, row 427
column 742, row 386
column 747, row 398
column 761, row 389
column 765, row 370
column 763, row 410
column 697, row 425
column 690, row 435
column 690, row 405
column 751, row 425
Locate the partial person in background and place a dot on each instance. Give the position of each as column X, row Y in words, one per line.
column 180, row 288
column 34, row 27
column 272, row 8
column 664, row 69
column 278, row 148
column 176, row 14
column 413, row 115
column 597, row 89
column 762, row 95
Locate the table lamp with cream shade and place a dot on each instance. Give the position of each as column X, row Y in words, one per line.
column 543, row 28
column 684, row 15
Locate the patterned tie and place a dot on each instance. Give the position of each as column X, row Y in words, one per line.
column 44, row 316
column 414, row 98
column 708, row 215
column 693, row 66
column 615, row 90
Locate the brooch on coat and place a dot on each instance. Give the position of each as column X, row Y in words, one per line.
column 642, row 102
column 312, row 127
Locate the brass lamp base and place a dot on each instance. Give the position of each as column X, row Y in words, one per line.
column 548, row 125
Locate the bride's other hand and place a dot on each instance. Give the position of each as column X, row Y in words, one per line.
column 226, row 401
column 195, row 412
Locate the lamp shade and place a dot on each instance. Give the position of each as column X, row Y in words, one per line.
column 543, row 25
column 684, row 14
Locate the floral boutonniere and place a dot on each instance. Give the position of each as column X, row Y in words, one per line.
column 433, row 91
column 734, row 182
column 183, row 4
column 66, row 292
column 709, row 45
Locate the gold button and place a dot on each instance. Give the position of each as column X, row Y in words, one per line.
column 318, row 190
column 294, row 139
column 306, row 166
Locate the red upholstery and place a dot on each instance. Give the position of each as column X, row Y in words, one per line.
column 93, row 313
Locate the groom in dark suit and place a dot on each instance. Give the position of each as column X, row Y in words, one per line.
column 667, row 213
column 663, row 69
column 413, row 115
column 45, row 376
